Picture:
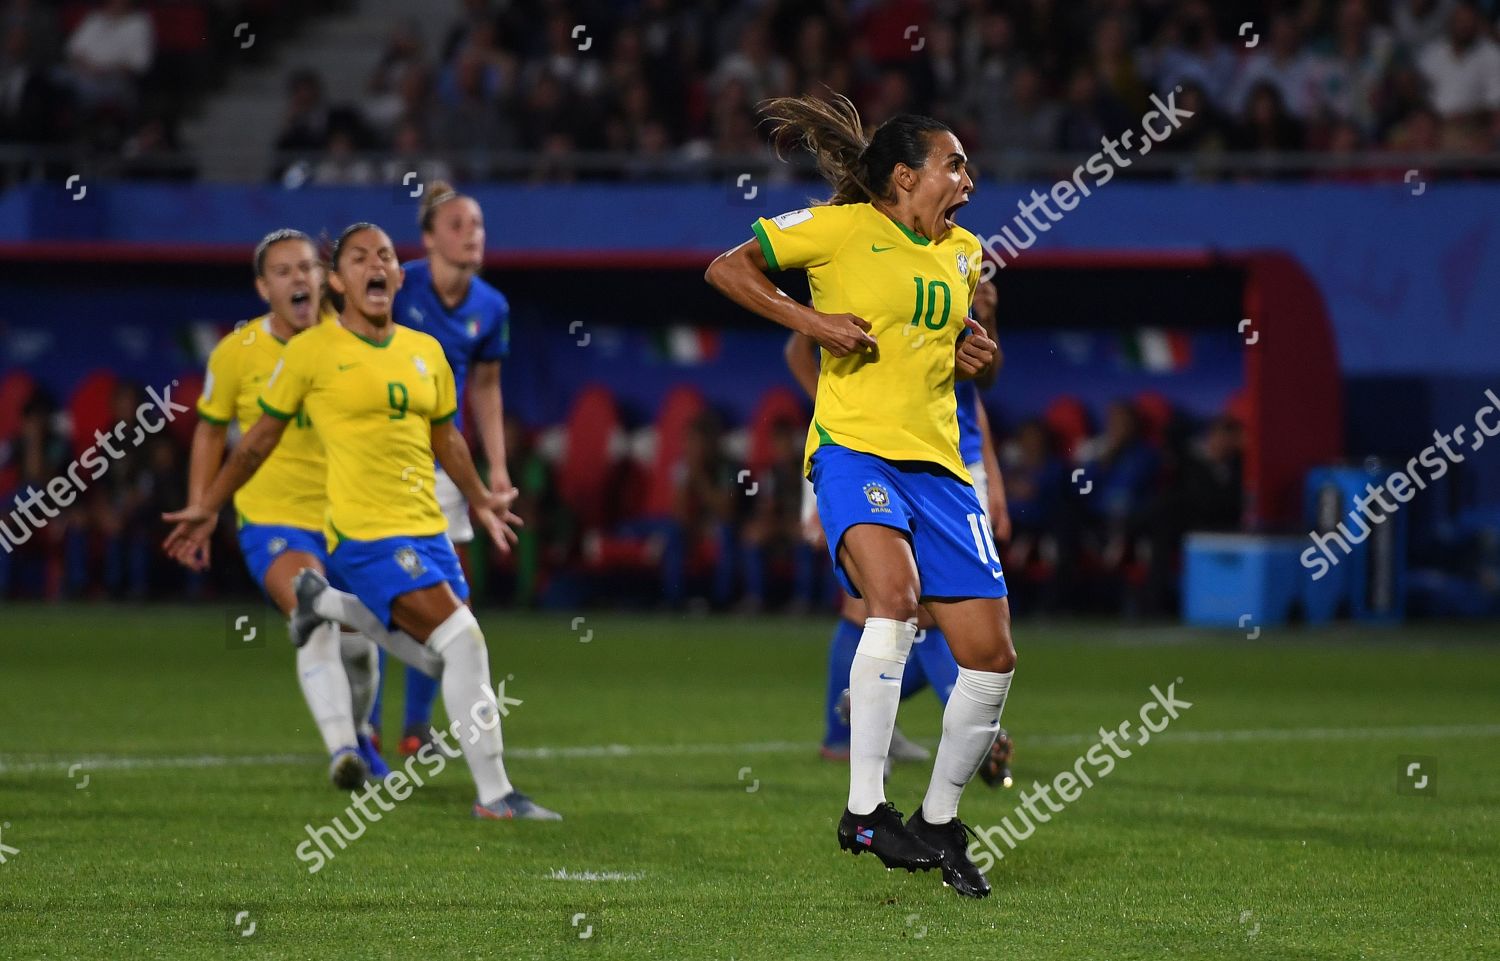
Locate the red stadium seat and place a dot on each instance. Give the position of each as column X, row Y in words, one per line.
column 679, row 409
column 91, row 408
column 181, row 27
column 189, row 388
column 1068, row 422
column 1155, row 413
column 588, row 462
column 16, row 390
column 779, row 405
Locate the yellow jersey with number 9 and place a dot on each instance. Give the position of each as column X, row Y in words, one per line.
column 896, row 402
column 373, row 405
column 289, row 489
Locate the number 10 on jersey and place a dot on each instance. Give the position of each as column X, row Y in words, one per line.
column 927, row 298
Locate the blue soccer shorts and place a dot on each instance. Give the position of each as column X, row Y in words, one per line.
column 379, row 571
column 940, row 514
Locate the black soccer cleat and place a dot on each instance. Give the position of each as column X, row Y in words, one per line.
column 952, row 841
column 996, row 767
column 882, row 833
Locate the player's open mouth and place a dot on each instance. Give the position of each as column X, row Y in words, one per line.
column 376, row 288
column 301, row 298
column 948, row 214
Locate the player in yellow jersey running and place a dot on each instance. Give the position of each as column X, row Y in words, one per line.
column 281, row 510
column 382, row 399
column 892, row 279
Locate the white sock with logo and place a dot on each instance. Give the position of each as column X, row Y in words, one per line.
column 471, row 703
column 325, row 687
column 874, row 696
column 970, row 722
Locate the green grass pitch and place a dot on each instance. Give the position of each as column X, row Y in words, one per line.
column 155, row 780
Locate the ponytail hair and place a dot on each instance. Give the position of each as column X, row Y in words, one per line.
column 438, row 193
column 858, row 168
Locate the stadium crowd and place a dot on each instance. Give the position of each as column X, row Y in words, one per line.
column 673, row 84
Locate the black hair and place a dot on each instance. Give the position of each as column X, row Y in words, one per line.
column 338, row 245
column 858, row 168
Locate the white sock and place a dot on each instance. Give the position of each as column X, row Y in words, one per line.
column 363, row 667
column 325, row 687
column 471, row 701
column 350, row 611
column 970, row 722
column 874, row 695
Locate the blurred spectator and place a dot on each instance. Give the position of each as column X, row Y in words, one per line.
column 703, row 514
column 411, row 153
column 1417, row 23
column 1284, row 65
column 340, row 164
column 1462, row 68
column 755, row 65
column 152, row 153
column 1023, row 120
column 1188, row 49
column 1349, row 77
column 1034, row 479
column 1123, row 464
column 28, row 99
column 774, row 526
column 1205, row 132
column 307, row 117
column 1090, row 114
column 109, row 53
column 386, row 101
column 1267, row 126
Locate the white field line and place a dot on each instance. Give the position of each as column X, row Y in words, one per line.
column 34, row 764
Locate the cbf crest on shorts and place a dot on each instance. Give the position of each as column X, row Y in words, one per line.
column 275, row 545
column 879, row 497
column 408, row 561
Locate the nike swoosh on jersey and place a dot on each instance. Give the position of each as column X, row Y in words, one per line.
column 880, row 250
column 347, row 366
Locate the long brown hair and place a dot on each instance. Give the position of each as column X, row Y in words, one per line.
column 858, row 168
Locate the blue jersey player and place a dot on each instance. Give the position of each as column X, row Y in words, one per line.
column 444, row 297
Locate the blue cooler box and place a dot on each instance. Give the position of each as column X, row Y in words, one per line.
column 1240, row 580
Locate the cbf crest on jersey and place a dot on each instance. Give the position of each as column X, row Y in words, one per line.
column 879, row 497
column 408, row 561
column 421, row 364
column 963, row 264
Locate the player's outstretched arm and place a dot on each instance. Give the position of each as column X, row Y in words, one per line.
column 209, row 441
column 489, row 419
column 195, row 523
column 740, row 275
column 491, row 508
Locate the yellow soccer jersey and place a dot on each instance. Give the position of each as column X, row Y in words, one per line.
column 897, row 403
column 372, row 404
column 290, row 488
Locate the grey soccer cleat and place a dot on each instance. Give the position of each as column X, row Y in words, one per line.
column 515, row 806
column 307, row 585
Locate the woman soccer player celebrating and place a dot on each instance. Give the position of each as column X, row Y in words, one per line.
column 382, row 399
column 443, row 296
column 281, row 509
column 883, row 259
